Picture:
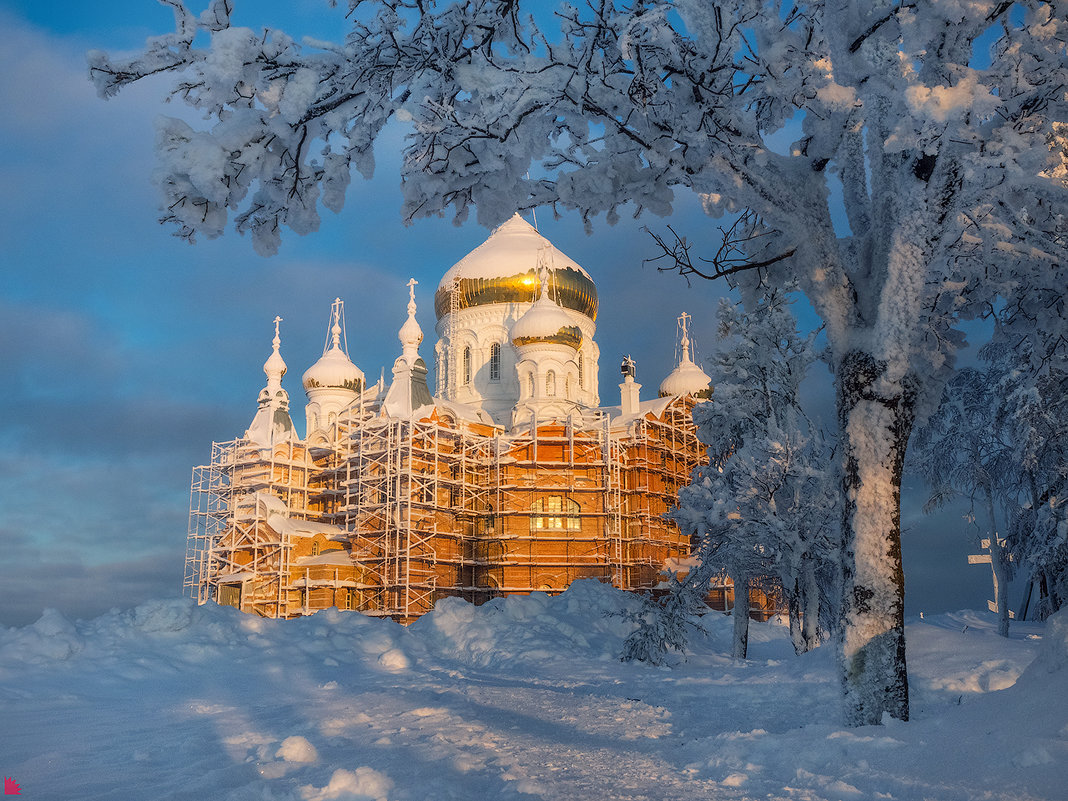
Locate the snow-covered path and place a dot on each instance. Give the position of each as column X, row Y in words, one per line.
column 519, row 699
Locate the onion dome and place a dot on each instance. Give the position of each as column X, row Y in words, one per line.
column 687, row 378
column 272, row 423
column 546, row 323
column 334, row 370
column 410, row 334
column 504, row 269
column 275, row 369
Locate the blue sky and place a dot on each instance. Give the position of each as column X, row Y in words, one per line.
column 127, row 351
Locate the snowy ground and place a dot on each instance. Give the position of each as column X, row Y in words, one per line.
column 518, row 699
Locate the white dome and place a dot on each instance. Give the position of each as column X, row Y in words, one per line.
column 334, row 370
column 514, row 247
column 686, row 379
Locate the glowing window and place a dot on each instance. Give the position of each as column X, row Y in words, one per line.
column 555, row 513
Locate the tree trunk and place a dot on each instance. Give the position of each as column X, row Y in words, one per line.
column 793, row 606
column 811, row 631
column 741, row 615
column 875, row 417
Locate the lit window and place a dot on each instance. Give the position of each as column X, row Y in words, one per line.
column 550, row 384
column 555, row 513
column 495, row 362
column 467, row 366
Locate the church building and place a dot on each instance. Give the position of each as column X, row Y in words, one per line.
column 511, row 476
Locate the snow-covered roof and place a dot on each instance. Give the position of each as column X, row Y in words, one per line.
column 656, row 407
column 515, row 246
column 338, row 556
column 234, row 578
column 461, row 411
column 278, row 517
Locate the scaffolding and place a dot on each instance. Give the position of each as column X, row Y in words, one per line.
column 233, row 555
column 441, row 506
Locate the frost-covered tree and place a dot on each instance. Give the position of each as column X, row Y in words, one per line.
column 940, row 124
column 1000, row 439
column 964, row 450
column 764, row 504
column 666, row 621
column 1030, row 387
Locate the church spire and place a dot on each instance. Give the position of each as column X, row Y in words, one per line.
column 409, row 390
column 275, row 366
column 410, row 334
column 272, row 422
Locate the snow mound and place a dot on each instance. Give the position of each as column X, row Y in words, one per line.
column 528, row 628
column 1053, row 655
column 52, row 637
column 363, row 784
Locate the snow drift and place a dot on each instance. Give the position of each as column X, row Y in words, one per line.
column 520, row 698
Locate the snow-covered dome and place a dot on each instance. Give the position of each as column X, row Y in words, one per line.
column 546, row 323
column 410, row 334
column 687, row 378
column 504, row 269
column 335, row 369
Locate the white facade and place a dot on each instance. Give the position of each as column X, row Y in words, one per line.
column 480, row 300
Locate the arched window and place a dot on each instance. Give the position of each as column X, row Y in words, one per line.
column 567, row 387
column 555, row 513
column 315, row 549
column 582, row 370
column 550, row 384
column 495, row 362
column 467, row 366
column 530, row 384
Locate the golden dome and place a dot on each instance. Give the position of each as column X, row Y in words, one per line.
column 504, row 269
column 546, row 323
